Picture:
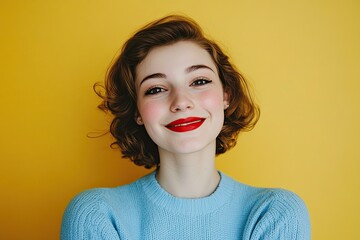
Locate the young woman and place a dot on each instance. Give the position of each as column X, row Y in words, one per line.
column 177, row 102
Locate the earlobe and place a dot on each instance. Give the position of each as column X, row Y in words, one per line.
column 139, row 120
column 226, row 100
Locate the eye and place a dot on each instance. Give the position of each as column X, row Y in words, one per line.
column 154, row 90
column 200, row 82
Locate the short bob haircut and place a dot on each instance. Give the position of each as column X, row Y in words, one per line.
column 120, row 95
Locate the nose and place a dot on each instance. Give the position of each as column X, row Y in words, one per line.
column 181, row 102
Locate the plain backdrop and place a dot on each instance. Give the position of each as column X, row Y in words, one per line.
column 302, row 59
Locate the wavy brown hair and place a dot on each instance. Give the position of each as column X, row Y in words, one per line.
column 120, row 93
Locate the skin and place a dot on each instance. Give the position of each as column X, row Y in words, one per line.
column 174, row 82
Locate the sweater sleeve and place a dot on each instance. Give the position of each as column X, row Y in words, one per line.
column 279, row 214
column 86, row 217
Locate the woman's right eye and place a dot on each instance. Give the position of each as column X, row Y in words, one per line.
column 154, row 90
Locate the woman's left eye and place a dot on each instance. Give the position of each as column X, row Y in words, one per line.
column 201, row 81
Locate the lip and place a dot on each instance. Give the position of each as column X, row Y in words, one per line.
column 185, row 124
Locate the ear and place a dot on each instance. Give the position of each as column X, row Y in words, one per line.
column 226, row 100
column 138, row 119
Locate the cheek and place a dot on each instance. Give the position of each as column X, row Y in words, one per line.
column 212, row 100
column 150, row 111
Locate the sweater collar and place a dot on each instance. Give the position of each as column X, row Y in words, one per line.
column 188, row 206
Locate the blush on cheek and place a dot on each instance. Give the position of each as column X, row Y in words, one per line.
column 150, row 112
column 212, row 100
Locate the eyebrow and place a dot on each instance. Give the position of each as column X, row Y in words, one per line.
column 155, row 75
column 196, row 67
column 187, row 70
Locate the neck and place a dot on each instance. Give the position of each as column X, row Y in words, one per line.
column 188, row 175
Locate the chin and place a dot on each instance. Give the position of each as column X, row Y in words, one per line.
column 191, row 146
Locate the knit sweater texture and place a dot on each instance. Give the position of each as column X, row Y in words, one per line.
column 144, row 210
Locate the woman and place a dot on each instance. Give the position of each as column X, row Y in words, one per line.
column 177, row 102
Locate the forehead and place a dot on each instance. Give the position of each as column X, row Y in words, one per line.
column 174, row 57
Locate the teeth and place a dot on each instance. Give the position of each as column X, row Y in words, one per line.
column 185, row 124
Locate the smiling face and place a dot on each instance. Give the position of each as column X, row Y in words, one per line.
column 180, row 98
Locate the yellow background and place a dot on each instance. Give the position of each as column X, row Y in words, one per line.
column 301, row 57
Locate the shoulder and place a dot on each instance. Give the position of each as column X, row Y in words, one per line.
column 90, row 214
column 101, row 198
column 278, row 214
column 88, row 201
column 82, row 215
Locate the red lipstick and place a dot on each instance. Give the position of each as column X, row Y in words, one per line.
column 185, row 124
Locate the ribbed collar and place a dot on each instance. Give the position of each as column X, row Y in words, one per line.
column 187, row 206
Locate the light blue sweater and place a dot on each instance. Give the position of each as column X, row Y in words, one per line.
column 143, row 210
